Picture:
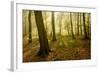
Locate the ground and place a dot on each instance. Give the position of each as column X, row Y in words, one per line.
column 65, row 48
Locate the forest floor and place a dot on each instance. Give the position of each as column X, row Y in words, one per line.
column 65, row 48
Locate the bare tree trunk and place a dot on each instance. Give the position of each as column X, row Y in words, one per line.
column 71, row 26
column 53, row 27
column 67, row 26
column 60, row 23
column 80, row 24
column 84, row 25
column 60, row 29
column 30, row 27
column 77, row 23
column 68, row 29
column 44, row 46
column 46, row 22
column 89, row 28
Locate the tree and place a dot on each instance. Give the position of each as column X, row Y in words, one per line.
column 89, row 29
column 53, row 27
column 67, row 27
column 60, row 23
column 84, row 25
column 30, row 27
column 44, row 46
column 77, row 23
column 24, row 23
column 71, row 26
column 80, row 14
column 45, row 17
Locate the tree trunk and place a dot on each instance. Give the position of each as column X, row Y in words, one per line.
column 71, row 26
column 84, row 25
column 77, row 23
column 80, row 24
column 30, row 27
column 44, row 46
column 53, row 27
column 68, row 29
column 46, row 22
column 67, row 26
column 60, row 23
column 60, row 29
column 89, row 24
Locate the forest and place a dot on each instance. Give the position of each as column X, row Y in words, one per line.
column 56, row 36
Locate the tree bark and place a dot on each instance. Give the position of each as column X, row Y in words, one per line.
column 89, row 24
column 30, row 27
column 84, row 25
column 77, row 23
column 71, row 26
column 68, row 29
column 44, row 46
column 46, row 22
column 60, row 23
column 53, row 27
column 80, row 24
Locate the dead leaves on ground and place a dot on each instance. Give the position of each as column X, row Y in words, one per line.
column 61, row 50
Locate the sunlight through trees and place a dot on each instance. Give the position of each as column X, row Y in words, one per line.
column 53, row 34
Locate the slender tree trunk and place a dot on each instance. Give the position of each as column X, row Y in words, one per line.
column 80, row 24
column 84, row 25
column 24, row 23
column 90, row 25
column 46, row 22
column 68, row 29
column 77, row 23
column 30, row 27
column 60, row 29
column 53, row 27
column 44, row 46
column 71, row 26
column 60, row 23
column 89, row 29
column 25, row 26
